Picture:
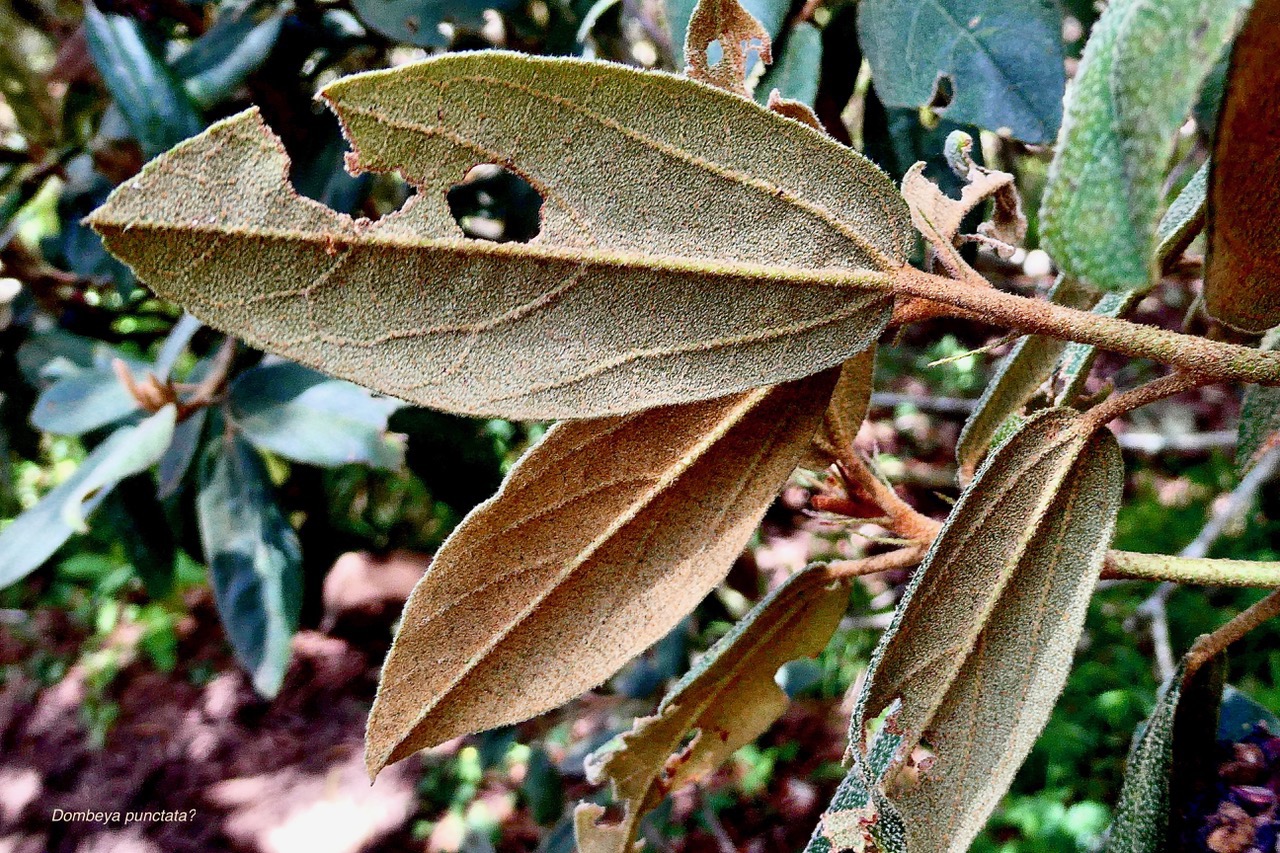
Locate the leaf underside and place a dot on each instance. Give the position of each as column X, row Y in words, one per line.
column 703, row 279
column 980, row 647
column 601, row 539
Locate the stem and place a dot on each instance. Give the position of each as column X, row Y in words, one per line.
column 1199, row 570
column 902, row 517
column 902, row 558
column 1114, row 407
column 1205, row 358
column 1210, row 646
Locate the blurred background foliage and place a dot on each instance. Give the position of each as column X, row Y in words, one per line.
column 175, row 503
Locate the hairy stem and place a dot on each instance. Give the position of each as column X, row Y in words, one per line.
column 1195, row 355
column 1210, row 646
column 902, row 558
column 1198, row 570
column 1166, row 386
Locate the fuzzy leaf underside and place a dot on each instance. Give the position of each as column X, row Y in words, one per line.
column 729, row 698
column 1242, row 276
column 846, row 412
column 980, row 647
column 1140, row 73
column 600, row 540
column 710, row 276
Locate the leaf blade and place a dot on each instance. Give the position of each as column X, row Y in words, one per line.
column 489, row 341
column 623, row 525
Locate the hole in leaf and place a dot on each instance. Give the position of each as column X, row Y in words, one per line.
column 494, row 203
column 715, row 53
column 943, row 92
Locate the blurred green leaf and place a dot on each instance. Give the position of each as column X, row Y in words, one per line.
column 153, row 102
column 36, row 534
column 137, row 448
column 1139, row 75
column 795, row 73
column 306, row 416
column 82, row 401
column 177, row 459
column 1239, row 714
column 993, row 63
column 417, row 22
column 255, row 564
column 221, row 60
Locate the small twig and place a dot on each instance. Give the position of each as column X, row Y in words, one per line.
column 1158, row 389
column 1210, row 646
column 902, row 558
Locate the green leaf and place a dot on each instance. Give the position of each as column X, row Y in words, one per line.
column 1242, row 266
column 36, row 534
column 1017, row 379
column 1168, row 748
column 971, row 654
column 307, row 417
column 177, row 459
column 1259, row 418
column 151, row 99
column 82, row 401
column 796, row 72
column 218, row 62
column 1002, row 59
column 727, row 700
column 255, row 565
column 418, row 22
column 1139, row 75
column 634, row 294
column 139, row 447
column 600, row 540
column 1184, row 218
column 859, row 811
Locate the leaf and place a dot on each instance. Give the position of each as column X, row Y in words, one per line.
column 255, row 565
column 219, row 62
column 772, row 14
column 1259, row 429
column 307, row 417
column 1242, row 276
column 139, row 448
column 1003, row 60
column 736, row 32
column 846, row 411
column 859, row 817
column 1018, row 377
column 176, row 461
column 1133, row 90
column 82, row 401
column 157, row 110
column 600, row 540
column 417, row 22
column 727, row 700
column 797, row 70
column 1184, row 218
column 938, row 217
column 980, row 646
column 37, row 533
column 1166, row 749
column 585, row 320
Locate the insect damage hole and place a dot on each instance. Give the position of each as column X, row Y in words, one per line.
column 944, row 92
column 494, row 203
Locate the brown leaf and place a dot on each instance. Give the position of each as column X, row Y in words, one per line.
column 598, row 543
column 980, row 647
column 798, row 110
column 728, row 699
column 938, row 216
column 1242, row 269
column 845, row 413
column 737, row 32
column 743, row 259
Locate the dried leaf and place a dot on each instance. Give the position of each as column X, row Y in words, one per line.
column 598, row 543
column 737, row 32
column 1138, row 78
column 587, row 319
column 980, row 646
column 1242, row 269
column 728, row 699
